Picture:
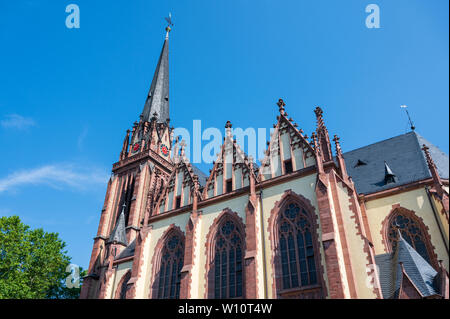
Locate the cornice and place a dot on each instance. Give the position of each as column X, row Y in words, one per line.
column 135, row 159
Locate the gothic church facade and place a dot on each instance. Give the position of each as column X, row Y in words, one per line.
column 308, row 222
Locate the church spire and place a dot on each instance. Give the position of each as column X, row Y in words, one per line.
column 158, row 95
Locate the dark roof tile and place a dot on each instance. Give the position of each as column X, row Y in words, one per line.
column 405, row 158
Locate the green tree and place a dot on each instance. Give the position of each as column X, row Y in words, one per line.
column 32, row 262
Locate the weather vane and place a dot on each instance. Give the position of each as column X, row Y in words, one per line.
column 169, row 22
column 409, row 118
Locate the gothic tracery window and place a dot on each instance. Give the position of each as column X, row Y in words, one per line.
column 228, row 261
column 411, row 231
column 170, row 268
column 297, row 255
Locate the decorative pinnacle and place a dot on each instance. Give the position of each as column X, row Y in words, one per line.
column 281, row 106
column 338, row 145
column 182, row 148
column 318, row 112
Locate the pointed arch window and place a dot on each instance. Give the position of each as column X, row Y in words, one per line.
column 412, row 231
column 122, row 288
column 228, row 261
column 296, row 248
column 169, row 275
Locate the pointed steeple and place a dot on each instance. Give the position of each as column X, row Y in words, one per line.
column 118, row 235
column 158, row 95
column 389, row 176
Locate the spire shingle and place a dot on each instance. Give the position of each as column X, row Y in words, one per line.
column 158, row 95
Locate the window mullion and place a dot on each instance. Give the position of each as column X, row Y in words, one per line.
column 299, row 274
column 228, row 270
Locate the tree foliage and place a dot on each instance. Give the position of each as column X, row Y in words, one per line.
column 32, row 262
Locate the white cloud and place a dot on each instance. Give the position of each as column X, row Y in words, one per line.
column 17, row 121
column 82, row 137
column 56, row 176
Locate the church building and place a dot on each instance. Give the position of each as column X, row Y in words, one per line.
column 308, row 222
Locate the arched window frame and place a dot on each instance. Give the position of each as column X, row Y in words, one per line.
column 315, row 291
column 390, row 218
column 226, row 215
column 157, row 257
column 121, row 289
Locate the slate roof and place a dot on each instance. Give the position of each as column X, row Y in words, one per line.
column 404, row 156
column 202, row 177
column 127, row 252
column 416, row 267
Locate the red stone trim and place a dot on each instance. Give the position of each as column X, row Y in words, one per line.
column 135, row 160
column 210, row 249
column 340, row 227
column 133, row 218
column 408, row 290
column 119, row 286
column 288, row 197
column 239, row 192
column 138, row 262
column 396, row 209
column 189, row 257
column 106, row 283
column 123, row 260
column 362, row 229
column 398, row 189
column 251, row 248
column 335, row 285
column 156, row 259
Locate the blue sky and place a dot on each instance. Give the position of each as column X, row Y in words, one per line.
column 68, row 95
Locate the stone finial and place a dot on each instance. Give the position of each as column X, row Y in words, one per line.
column 319, row 116
column 228, row 134
column 340, row 159
column 281, row 106
column 318, row 111
column 182, row 148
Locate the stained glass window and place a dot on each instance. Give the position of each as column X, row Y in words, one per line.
column 411, row 232
column 228, row 260
column 297, row 256
column 170, row 269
